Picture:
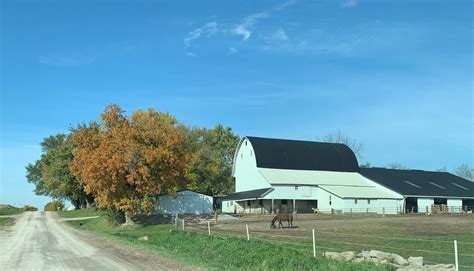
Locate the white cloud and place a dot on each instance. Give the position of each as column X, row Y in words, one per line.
column 279, row 34
column 244, row 29
column 349, row 3
column 285, row 5
column 232, row 51
column 208, row 29
column 191, row 54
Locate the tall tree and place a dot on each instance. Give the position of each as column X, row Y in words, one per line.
column 465, row 171
column 396, row 165
column 213, row 152
column 51, row 174
column 338, row 137
column 125, row 161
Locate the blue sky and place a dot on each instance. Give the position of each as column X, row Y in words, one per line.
column 395, row 75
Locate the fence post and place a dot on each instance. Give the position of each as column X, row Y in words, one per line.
column 426, row 209
column 314, row 245
column 176, row 221
column 183, row 223
column 456, row 255
column 383, row 211
column 351, row 212
column 247, row 228
column 209, row 227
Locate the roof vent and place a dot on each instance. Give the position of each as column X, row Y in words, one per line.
column 412, row 184
column 460, row 186
column 437, row 185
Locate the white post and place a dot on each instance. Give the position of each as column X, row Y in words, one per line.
column 248, row 235
column 383, row 212
column 456, row 255
column 209, row 227
column 314, row 246
column 183, row 223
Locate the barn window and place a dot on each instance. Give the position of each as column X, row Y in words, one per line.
column 296, row 187
column 368, row 201
column 284, row 201
column 231, row 203
column 248, row 202
column 261, row 202
column 250, row 153
column 330, row 200
column 245, row 142
column 241, row 155
column 355, row 201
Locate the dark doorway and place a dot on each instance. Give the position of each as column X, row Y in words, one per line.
column 411, row 205
column 468, row 204
column 439, row 201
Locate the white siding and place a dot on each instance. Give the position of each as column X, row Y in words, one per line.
column 188, row 202
column 454, row 205
column 299, row 192
column 424, row 203
column 247, row 176
column 390, row 206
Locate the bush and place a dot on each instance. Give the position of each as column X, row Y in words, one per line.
column 54, row 206
column 115, row 217
column 29, row 208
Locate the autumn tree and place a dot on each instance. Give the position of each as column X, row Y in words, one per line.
column 213, row 152
column 126, row 161
column 51, row 174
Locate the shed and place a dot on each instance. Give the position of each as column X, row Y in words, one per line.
column 186, row 202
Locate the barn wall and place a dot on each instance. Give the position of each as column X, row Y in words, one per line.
column 187, row 202
column 455, row 205
column 374, row 205
column 247, row 176
column 328, row 201
column 424, row 203
column 300, row 192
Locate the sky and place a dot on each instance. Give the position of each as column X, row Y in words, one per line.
column 394, row 75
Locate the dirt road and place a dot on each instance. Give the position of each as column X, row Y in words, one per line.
column 39, row 240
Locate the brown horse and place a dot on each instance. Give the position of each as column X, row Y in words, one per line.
column 282, row 217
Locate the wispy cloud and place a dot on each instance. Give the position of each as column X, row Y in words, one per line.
column 66, row 60
column 207, row 29
column 244, row 29
column 190, row 54
column 349, row 3
column 232, row 50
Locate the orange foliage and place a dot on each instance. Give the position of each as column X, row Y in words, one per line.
column 125, row 161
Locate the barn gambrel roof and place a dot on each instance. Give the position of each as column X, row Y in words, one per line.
column 420, row 183
column 303, row 155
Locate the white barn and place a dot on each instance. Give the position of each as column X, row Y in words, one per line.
column 288, row 175
column 185, row 202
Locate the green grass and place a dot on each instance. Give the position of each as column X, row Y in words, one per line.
column 80, row 213
column 6, row 220
column 217, row 252
column 10, row 211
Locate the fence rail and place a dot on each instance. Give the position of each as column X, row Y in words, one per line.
column 322, row 242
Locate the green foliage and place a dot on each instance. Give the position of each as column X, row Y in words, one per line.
column 114, row 216
column 213, row 152
column 54, row 206
column 51, row 174
column 216, row 252
column 29, row 208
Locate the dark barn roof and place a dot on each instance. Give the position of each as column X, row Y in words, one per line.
column 303, row 155
column 421, row 183
column 247, row 195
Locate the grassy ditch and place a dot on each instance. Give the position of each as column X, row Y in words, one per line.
column 6, row 220
column 217, row 252
column 10, row 211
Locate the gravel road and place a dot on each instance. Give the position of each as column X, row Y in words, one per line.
column 39, row 240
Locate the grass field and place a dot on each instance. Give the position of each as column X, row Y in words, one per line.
column 216, row 252
column 6, row 220
column 428, row 236
column 10, row 211
column 80, row 213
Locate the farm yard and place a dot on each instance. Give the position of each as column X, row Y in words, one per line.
column 430, row 237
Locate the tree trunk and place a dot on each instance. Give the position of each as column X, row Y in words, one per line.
column 128, row 220
column 89, row 202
